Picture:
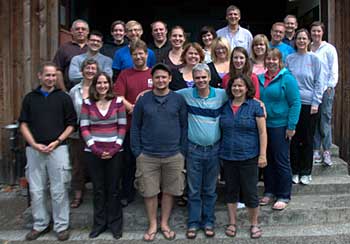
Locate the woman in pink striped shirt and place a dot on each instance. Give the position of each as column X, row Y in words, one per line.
column 103, row 126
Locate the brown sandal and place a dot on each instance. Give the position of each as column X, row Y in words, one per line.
column 257, row 233
column 76, row 202
column 231, row 230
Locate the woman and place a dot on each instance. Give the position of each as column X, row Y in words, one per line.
column 177, row 40
column 259, row 47
column 103, row 126
column 280, row 94
column 239, row 64
column 306, row 67
column 206, row 36
column 243, row 150
column 191, row 55
column 79, row 92
column 220, row 54
column 329, row 61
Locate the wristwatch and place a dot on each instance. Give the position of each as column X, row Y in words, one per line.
column 59, row 140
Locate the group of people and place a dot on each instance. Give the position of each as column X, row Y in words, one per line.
column 135, row 116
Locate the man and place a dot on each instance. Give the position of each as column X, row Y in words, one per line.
column 291, row 24
column 122, row 58
column 277, row 34
column 95, row 43
column 63, row 56
column 158, row 140
column 130, row 83
column 233, row 32
column 47, row 118
column 160, row 44
column 202, row 162
column 119, row 40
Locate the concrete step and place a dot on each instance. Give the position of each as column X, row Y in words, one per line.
column 339, row 167
column 302, row 210
column 305, row 234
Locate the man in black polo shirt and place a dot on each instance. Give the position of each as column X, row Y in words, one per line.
column 47, row 118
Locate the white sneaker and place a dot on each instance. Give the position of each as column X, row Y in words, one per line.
column 240, row 205
column 305, row 179
column 317, row 157
column 295, row 179
column 327, row 158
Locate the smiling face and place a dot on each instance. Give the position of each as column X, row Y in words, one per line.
column 177, row 38
column 277, row 33
column 139, row 57
column 238, row 60
column 207, row 39
column 201, row 79
column 221, row 52
column 118, row 32
column 48, row 78
column 272, row 63
column 80, row 31
column 302, row 41
column 239, row 89
column 102, row 86
column 134, row 32
column 159, row 32
column 233, row 17
column 192, row 56
column 259, row 48
column 89, row 71
column 316, row 34
column 95, row 43
column 290, row 24
column 161, row 80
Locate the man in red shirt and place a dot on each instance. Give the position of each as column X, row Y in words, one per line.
column 130, row 83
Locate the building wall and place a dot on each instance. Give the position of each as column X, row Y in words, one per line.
column 29, row 31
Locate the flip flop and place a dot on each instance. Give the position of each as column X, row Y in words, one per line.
column 167, row 234
column 76, row 202
column 229, row 231
column 257, row 233
column 150, row 236
column 191, row 233
column 209, row 232
column 282, row 206
column 265, row 201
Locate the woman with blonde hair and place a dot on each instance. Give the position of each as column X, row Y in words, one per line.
column 260, row 45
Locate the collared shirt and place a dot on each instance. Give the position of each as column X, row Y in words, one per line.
column 242, row 38
column 285, row 49
column 160, row 52
column 76, row 94
column 240, row 134
column 123, row 60
column 203, row 115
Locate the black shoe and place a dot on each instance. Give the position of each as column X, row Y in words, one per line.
column 124, row 202
column 34, row 234
column 63, row 235
column 96, row 232
column 117, row 235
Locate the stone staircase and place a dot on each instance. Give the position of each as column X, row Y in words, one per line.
column 318, row 213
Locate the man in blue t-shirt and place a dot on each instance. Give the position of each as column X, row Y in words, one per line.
column 277, row 34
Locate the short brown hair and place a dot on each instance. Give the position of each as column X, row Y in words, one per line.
column 274, row 52
column 196, row 46
column 93, row 94
column 138, row 44
column 87, row 62
column 248, row 83
column 117, row 22
column 46, row 64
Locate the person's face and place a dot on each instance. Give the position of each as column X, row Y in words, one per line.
column 102, row 86
column 159, row 32
column 290, row 25
column 259, row 48
column 95, row 43
column 89, row 71
column 192, row 56
column 80, row 32
column 139, row 57
column 207, row 39
column 233, row 17
column 201, row 79
column 161, row 80
column 238, row 60
column 302, row 41
column 239, row 88
column 277, row 33
column 316, row 33
column 177, row 38
column 134, row 32
column 272, row 63
column 48, row 77
column 221, row 52
column 118, row 32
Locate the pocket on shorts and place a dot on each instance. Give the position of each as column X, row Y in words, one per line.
column 138, row 183
column 66, row 174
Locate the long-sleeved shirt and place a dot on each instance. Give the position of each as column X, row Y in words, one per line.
column 75, row 74
column 307, row 69
column 103, row 133
column 241, row 38
column 329, row 60
column 159, row 125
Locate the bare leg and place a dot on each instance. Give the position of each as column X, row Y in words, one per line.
column 253, row 215
column 167, row 205
column 232, row 212
column 151, row 204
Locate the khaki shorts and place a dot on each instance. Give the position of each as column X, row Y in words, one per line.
column 153, row 174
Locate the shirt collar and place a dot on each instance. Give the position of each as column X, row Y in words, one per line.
column 211, row 92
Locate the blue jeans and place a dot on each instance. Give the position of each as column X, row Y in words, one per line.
column 202, row 172
column 278, row 173
column 323, row 132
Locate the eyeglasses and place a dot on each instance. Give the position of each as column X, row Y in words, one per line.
column 220, row 49
column 134, row 30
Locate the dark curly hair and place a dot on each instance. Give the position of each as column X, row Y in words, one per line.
column 248, row 83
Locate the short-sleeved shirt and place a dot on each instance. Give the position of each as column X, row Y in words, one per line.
column 285, row 49
column 160, row 52
column 242, row 38
column 123, row 60
column 240, row 134
column 63, row 57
